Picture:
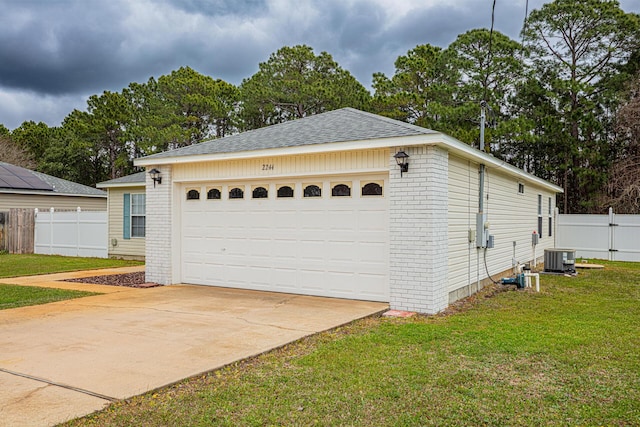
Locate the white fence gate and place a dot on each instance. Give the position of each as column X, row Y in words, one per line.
column 72, row 233
column 614, row 237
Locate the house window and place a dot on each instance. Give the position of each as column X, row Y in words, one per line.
column 260, row 193
column 285, row 191
column 236, row 193
column 213, row 194
column 341, row 190
column 372, row 189
column 312, row 191
column 540, row 215
column 550, row 218
column 540, row 226
column 193, row 195
column 138, row 217
column 520, row 188
column 539, row 204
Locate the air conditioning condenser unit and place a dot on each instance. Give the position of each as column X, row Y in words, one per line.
column 560, row 260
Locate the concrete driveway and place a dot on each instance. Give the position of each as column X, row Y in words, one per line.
column 63, row 360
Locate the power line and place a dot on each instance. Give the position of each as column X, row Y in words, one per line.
column 493, row 19
column 526, row 13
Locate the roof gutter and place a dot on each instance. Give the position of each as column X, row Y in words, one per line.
column 458, row 147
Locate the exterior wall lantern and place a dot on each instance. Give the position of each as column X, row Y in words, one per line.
column 401, row 159
column 155, row 176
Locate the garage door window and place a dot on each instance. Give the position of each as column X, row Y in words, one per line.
column 260, row 193
column 312, row 191
column 372, row 189
column 193, row 195
column 213, row 194
column 285, row 191
column 236, row 193
column 341, row 190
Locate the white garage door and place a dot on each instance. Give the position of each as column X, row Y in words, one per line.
column 274, row 238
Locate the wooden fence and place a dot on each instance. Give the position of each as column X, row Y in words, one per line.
column 17, row 232
column 3, row 220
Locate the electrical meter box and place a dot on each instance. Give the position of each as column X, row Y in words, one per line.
column 482, row 230
column 535, row 239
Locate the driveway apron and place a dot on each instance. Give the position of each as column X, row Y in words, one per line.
column 67, row 359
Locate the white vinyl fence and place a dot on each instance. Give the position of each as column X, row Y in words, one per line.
column 613, row 237
column 71, row 233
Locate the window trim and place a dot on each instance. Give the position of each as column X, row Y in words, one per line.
column 132, row 215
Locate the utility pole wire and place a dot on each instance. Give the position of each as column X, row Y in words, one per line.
column 524, row 24
column 493, row 18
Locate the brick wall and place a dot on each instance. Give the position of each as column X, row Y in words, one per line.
column 158, row 228
column 418, row 259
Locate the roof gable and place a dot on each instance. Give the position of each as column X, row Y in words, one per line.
column 344, row 129
column 345, row 124
column 133, row 180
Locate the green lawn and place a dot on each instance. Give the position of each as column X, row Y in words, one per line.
column 12, row 296
column 29, row 265
column 569, row 355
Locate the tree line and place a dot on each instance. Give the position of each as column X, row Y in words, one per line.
column 564, row 104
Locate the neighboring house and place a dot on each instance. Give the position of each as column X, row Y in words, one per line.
column 126, row 216
column 319, row 206
column 26, row 189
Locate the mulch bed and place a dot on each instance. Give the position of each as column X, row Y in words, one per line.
column 132, row 280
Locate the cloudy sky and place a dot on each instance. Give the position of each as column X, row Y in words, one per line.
column 54, row 54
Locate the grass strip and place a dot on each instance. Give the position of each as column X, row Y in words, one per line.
column 12, row 296
column 12, row 265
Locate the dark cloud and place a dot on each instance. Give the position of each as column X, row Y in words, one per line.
column 94, row 46
column 56, row 53
column 358, row 27
column 352, row 32
column 432, row 26
column 56, row 50
column 221, row 7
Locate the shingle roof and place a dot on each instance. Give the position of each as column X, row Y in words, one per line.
column 56, row 185
column 346, row 124
column 134, row 178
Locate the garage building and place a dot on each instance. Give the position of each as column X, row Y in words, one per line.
column 322, row 206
